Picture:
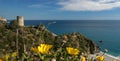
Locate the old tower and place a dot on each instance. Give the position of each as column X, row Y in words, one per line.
column 20, row 20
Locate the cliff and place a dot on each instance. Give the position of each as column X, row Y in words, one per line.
column 26, row 37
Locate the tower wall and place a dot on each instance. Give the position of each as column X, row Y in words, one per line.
column 20, row 20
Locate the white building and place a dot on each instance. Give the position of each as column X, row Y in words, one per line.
column 3, row 19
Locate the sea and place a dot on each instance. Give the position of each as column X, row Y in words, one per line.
column 107, row 31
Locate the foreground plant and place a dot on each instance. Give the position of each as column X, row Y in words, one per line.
column 72, row 51
column 82, row 58
column 9, row 56
column 41, row 52
column 1, row 59
column 44, row 48
column 99, row 58
column 34, row 49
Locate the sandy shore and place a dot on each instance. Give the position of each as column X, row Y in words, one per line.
column 107, row 57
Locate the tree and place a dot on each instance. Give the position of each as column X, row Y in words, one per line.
column 13, row 24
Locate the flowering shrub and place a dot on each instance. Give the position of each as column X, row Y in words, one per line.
column 44, row 48
column 34, row 49
column 1, row 59
column 25, row 41
column 8, row 56
column 72, row 51
column 45, row 52
column 99, row 58
column 83, row 58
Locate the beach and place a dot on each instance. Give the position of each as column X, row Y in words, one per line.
column 107, row 57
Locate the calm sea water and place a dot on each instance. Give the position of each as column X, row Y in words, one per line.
column 108, row 31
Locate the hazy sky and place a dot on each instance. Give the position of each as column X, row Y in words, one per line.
column 61, row 9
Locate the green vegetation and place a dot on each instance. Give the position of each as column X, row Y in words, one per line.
column 13, row 24
column 20, row 39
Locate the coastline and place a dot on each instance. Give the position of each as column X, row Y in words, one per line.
column 107, row 57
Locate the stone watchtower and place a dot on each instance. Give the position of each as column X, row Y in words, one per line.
column 20, row 20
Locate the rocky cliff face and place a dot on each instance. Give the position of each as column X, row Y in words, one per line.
column 79, row 41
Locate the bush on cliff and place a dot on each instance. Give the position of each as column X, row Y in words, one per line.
column 28, row 37
column 13, row 24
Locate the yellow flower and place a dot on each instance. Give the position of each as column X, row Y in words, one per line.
column 33, row 49
column 7, row 56
column 41, row 48
column 72, row 51
column 1, row 59
column 14, row 54
column 99, row 58
column 44, row 48
column 83, row 58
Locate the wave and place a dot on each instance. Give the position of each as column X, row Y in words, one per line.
column 111, row 56
column 115, row 57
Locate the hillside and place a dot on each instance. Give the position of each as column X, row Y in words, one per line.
column 15, row 38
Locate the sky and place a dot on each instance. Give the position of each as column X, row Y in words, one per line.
column 61, row 9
